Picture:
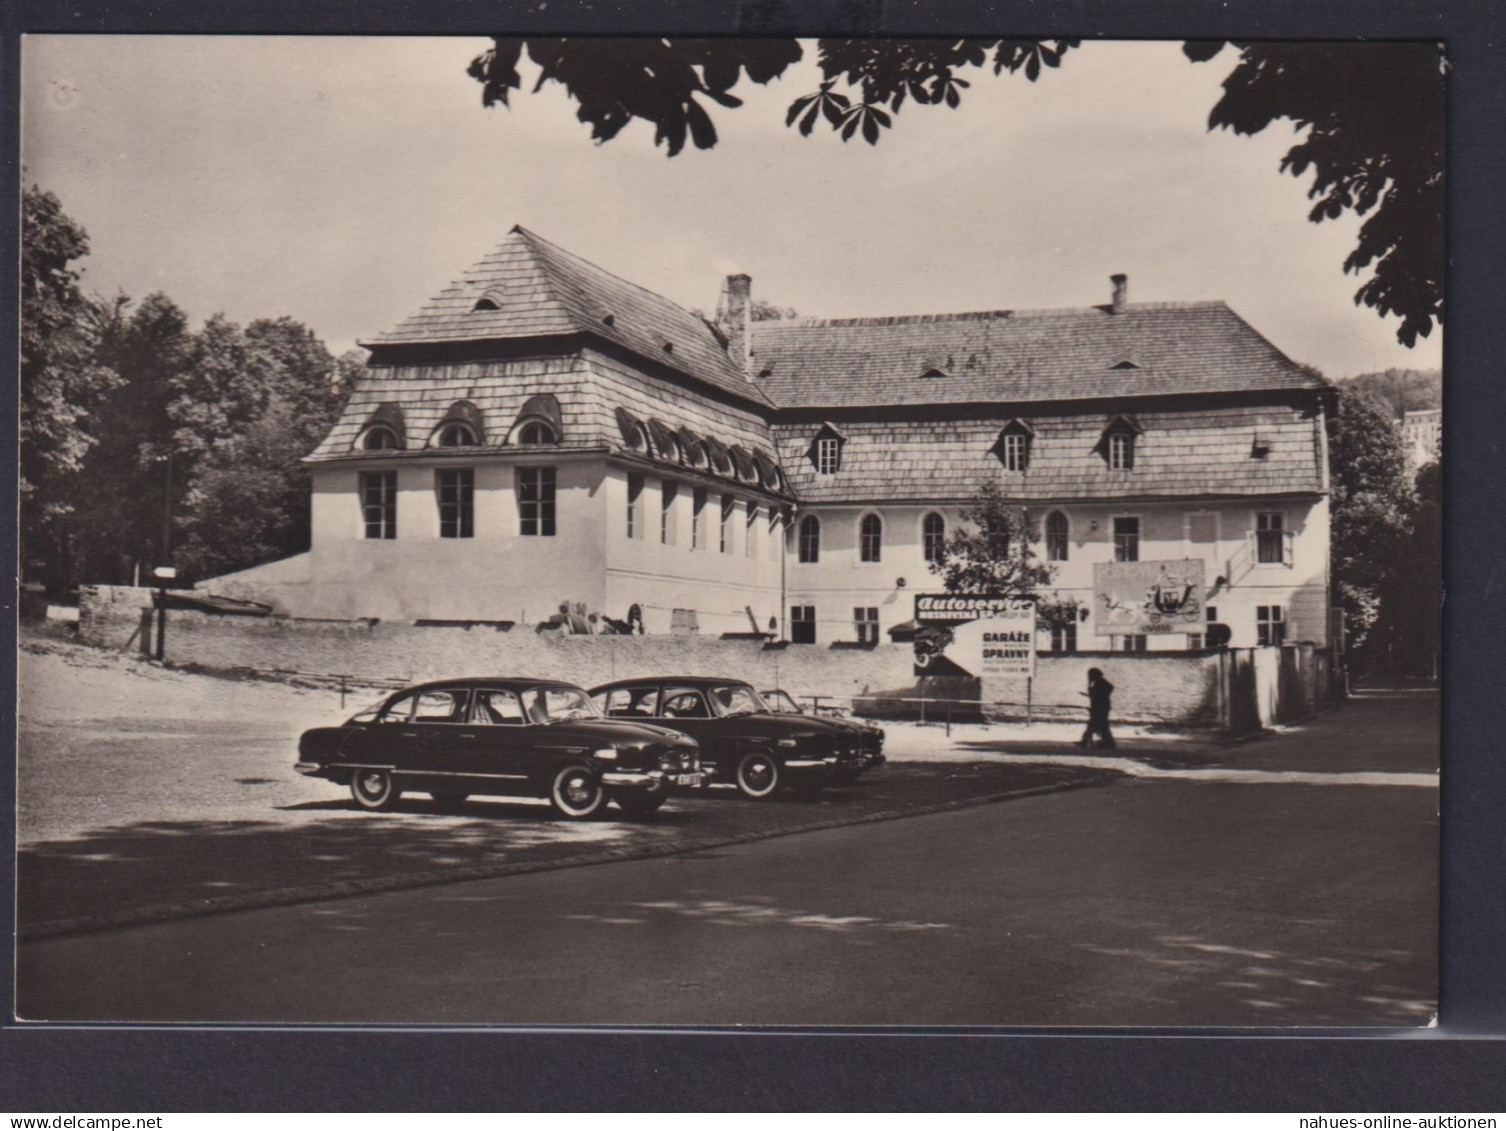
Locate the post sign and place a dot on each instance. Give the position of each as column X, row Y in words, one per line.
column 970, row 635
column 1141, row 598
column 1001, row 646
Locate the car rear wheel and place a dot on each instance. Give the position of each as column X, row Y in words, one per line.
column 374, row 790
column 639, row 804
column 577, row 793
column 448, row 798
column 758, row 776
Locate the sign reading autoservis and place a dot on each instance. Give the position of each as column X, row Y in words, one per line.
column 1139, row 598
column 968, row 634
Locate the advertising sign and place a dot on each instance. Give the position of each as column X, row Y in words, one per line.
column 969, row 635
column 1140, row 598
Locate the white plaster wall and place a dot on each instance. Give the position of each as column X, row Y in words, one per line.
column 839, row 582
column 663, row 576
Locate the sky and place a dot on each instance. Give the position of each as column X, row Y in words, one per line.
column 345, row 181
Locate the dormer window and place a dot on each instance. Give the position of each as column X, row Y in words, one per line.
column 1013, row 446
column 1118, row 443
column 826, row 450
column 455, row 436
column 536, row 432
column 1121, row 451
column 380, row 438
column 484, row 304
column 1126, row 363
column 460, row 427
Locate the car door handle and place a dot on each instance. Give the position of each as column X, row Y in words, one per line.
column 467, row 737
column 410, row 734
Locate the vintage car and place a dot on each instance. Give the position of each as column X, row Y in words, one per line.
column 742, row 742
column 872, row 737
column 504, row 736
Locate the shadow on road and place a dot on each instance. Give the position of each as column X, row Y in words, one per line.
column 185, row 867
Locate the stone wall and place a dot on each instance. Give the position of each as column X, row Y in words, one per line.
column 1187, row 689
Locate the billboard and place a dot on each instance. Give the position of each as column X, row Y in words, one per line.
column 963, row 634
column 1140, row 598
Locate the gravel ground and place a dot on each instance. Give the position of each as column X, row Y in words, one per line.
column 145, row 787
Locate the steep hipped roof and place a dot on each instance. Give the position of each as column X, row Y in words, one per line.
column 1019, row 355
column 532, row 288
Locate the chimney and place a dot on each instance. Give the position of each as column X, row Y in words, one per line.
column 733, row 313
column 1121, row 292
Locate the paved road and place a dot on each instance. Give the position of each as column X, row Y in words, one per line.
column 1146, row 902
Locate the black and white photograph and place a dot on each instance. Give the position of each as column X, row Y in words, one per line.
column 730, row 532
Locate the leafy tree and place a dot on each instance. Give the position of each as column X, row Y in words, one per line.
column 1404, row 390
column 1370, row 116
column 62, row 380
column 1371, row 501
column 762, row 310
column 992, row 551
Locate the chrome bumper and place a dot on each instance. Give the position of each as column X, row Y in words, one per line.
column 307, row 767
column 811, row 763
column 649, row 779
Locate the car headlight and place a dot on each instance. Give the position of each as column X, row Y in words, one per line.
column 606, row 753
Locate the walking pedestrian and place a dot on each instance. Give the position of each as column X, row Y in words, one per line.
column 1100, row 692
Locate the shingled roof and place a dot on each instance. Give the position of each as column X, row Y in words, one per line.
column 529, row 287
column 1021, row 355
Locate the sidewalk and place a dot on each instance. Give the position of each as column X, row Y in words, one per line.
column 1378, row 732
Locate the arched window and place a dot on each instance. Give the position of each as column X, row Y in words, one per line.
column 536, row 432
column 455, row 436
column 810, row 539
column 871, row 538
column 1056, row 537
column 933, row 537
column 379, row 437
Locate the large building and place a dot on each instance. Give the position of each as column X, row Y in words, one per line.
column 545, row 433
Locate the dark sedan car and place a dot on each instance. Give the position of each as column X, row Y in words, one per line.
column 513, row 737
column 870, row 738
column 741, row 740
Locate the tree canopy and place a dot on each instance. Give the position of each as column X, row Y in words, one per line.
column 992, row 552
column 129, row 415
column 1369, row 117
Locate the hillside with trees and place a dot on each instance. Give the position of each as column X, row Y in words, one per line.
column 1403, row 390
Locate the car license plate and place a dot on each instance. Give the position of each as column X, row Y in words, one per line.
column 687, row 779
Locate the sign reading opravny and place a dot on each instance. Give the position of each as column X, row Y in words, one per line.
column 965, row 634
column 1137, row 598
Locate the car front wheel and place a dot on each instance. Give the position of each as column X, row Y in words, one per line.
column 374, row 790
column 758, row 776
column 577, row 793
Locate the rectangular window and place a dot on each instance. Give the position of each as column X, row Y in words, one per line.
column 1194, row 641
column 1202, row 532
column 1270, row 626
column 1270, row 539
column 634, row 505
column 865, row 621
column 457, row 512
column 668, row 493
column 728, row 504
column 1064, row 637
column 1126, row 539
column 1134, row 643
column 1121, row 451
column 828, row 455
column 803, row 624
column 698, row 519
column 1015, row 449
column 750, row 533
column 379, row 503
column 536, row 501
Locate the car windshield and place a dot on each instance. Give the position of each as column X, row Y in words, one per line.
column 366, row 714
column 558, row 705
column 781, row 704
column 736, row 699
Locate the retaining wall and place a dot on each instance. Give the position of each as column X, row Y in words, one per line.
column 1241, row 688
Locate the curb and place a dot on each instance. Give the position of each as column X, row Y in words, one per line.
column 407, row 881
